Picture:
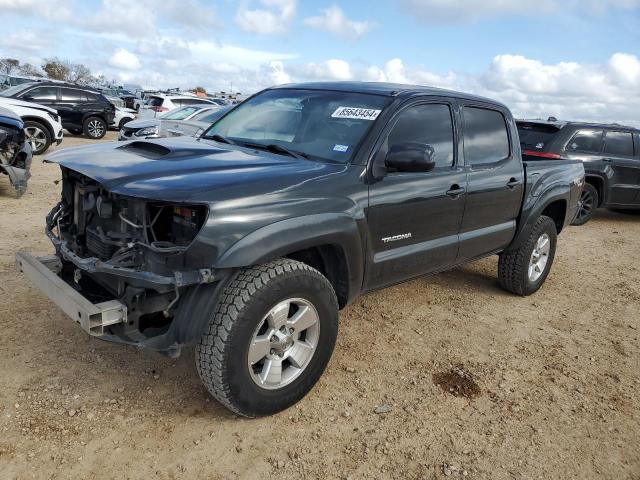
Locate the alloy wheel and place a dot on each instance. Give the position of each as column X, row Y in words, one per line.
column 95, row 128
column 37, row 137
column 283, row 344
column 539, row 257
column 585, row 206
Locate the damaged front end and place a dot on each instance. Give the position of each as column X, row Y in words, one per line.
column 132, row 251
column 15, row 152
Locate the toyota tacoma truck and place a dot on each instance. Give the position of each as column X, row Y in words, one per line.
column 247, row 241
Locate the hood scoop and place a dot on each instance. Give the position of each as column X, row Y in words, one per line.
column 146, row 149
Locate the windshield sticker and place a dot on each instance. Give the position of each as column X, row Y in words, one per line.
column 340, row 148
column 356, row 113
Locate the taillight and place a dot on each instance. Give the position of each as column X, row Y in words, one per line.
column 160, row 109
column 534, row 153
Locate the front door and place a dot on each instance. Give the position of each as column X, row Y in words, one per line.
column 414, row 218
column 624, row 179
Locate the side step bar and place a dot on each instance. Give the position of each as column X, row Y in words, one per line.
column 93, row 318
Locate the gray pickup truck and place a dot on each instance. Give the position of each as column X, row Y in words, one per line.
column 247, row 241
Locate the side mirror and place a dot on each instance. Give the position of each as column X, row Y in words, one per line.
column 411, row 157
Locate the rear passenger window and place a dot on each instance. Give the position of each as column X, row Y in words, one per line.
column 72, row 95
column 486, row 139
column 426, row 124
column 587, row 141
column 618, row 143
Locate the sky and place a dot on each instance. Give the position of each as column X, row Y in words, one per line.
column 572, row 59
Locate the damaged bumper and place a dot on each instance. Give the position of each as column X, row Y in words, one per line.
column 93, row 318
column 15, row 162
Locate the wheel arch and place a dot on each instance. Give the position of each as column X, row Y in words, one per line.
column 331, row 243
column 549, row 204
column 41, row 121
column 599, row 184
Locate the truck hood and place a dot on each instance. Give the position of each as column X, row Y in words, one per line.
column 188, row 169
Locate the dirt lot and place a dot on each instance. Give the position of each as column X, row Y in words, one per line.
column 542, row 387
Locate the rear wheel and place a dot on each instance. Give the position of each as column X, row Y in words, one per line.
column 38, row 135
column 269, row 338
column 95, row 127
column 587, row 205
column 524, row 270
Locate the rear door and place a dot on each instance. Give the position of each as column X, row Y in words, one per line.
column 624, row 180
column 496, row 180
column 414, row 218
column 70, row 105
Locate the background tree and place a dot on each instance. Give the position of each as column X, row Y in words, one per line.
column 9, row 65
column 56, row 69
column 60, row 69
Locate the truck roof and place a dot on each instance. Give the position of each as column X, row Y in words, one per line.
column 385, row 89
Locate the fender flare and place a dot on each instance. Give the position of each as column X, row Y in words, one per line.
column 534, row 211
column 287, row 236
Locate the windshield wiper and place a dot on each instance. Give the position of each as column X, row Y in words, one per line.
column 219, row 138
column 272, row 147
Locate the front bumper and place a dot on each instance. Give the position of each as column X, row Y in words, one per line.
column 93, row 318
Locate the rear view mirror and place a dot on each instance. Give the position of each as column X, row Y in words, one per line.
column 411, row 157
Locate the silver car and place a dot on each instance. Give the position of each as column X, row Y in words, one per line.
column 157, row 127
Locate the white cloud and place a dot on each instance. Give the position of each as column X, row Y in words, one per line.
column 334, row 21
column 125, row 60
column 51, row 9
column 271, row 20
column 332, row 69
column 453, row 11
column 569, row 90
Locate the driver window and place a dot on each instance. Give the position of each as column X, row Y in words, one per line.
column 429, row 124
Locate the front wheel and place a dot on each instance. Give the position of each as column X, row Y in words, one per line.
column 95, row 127
column 38, row 135
column 524, row 270
column 269, row 339
column 587, row 205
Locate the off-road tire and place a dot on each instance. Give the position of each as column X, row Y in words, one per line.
column 513, row 265
column 94, row 133
column 221, row 355
column 44, row 136
column 590, row 194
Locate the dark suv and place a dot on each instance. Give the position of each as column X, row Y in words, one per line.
column 611, row 156
column 81, row 109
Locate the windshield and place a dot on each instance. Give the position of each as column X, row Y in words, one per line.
column 9, row 92
column 210, row 115
column 318, row 124
column 180, row 113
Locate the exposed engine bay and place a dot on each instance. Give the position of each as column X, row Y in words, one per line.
column 15, row 153
column 125, row 248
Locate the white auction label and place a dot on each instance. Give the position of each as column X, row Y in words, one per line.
column 356, row 113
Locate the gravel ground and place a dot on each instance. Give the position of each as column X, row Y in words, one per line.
column 441, row 376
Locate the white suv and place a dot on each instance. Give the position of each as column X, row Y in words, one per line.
column 159, row 103
column 42, row 124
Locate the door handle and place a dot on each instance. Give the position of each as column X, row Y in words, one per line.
column 455, row 191
column 607, row 160
column 513, row 183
